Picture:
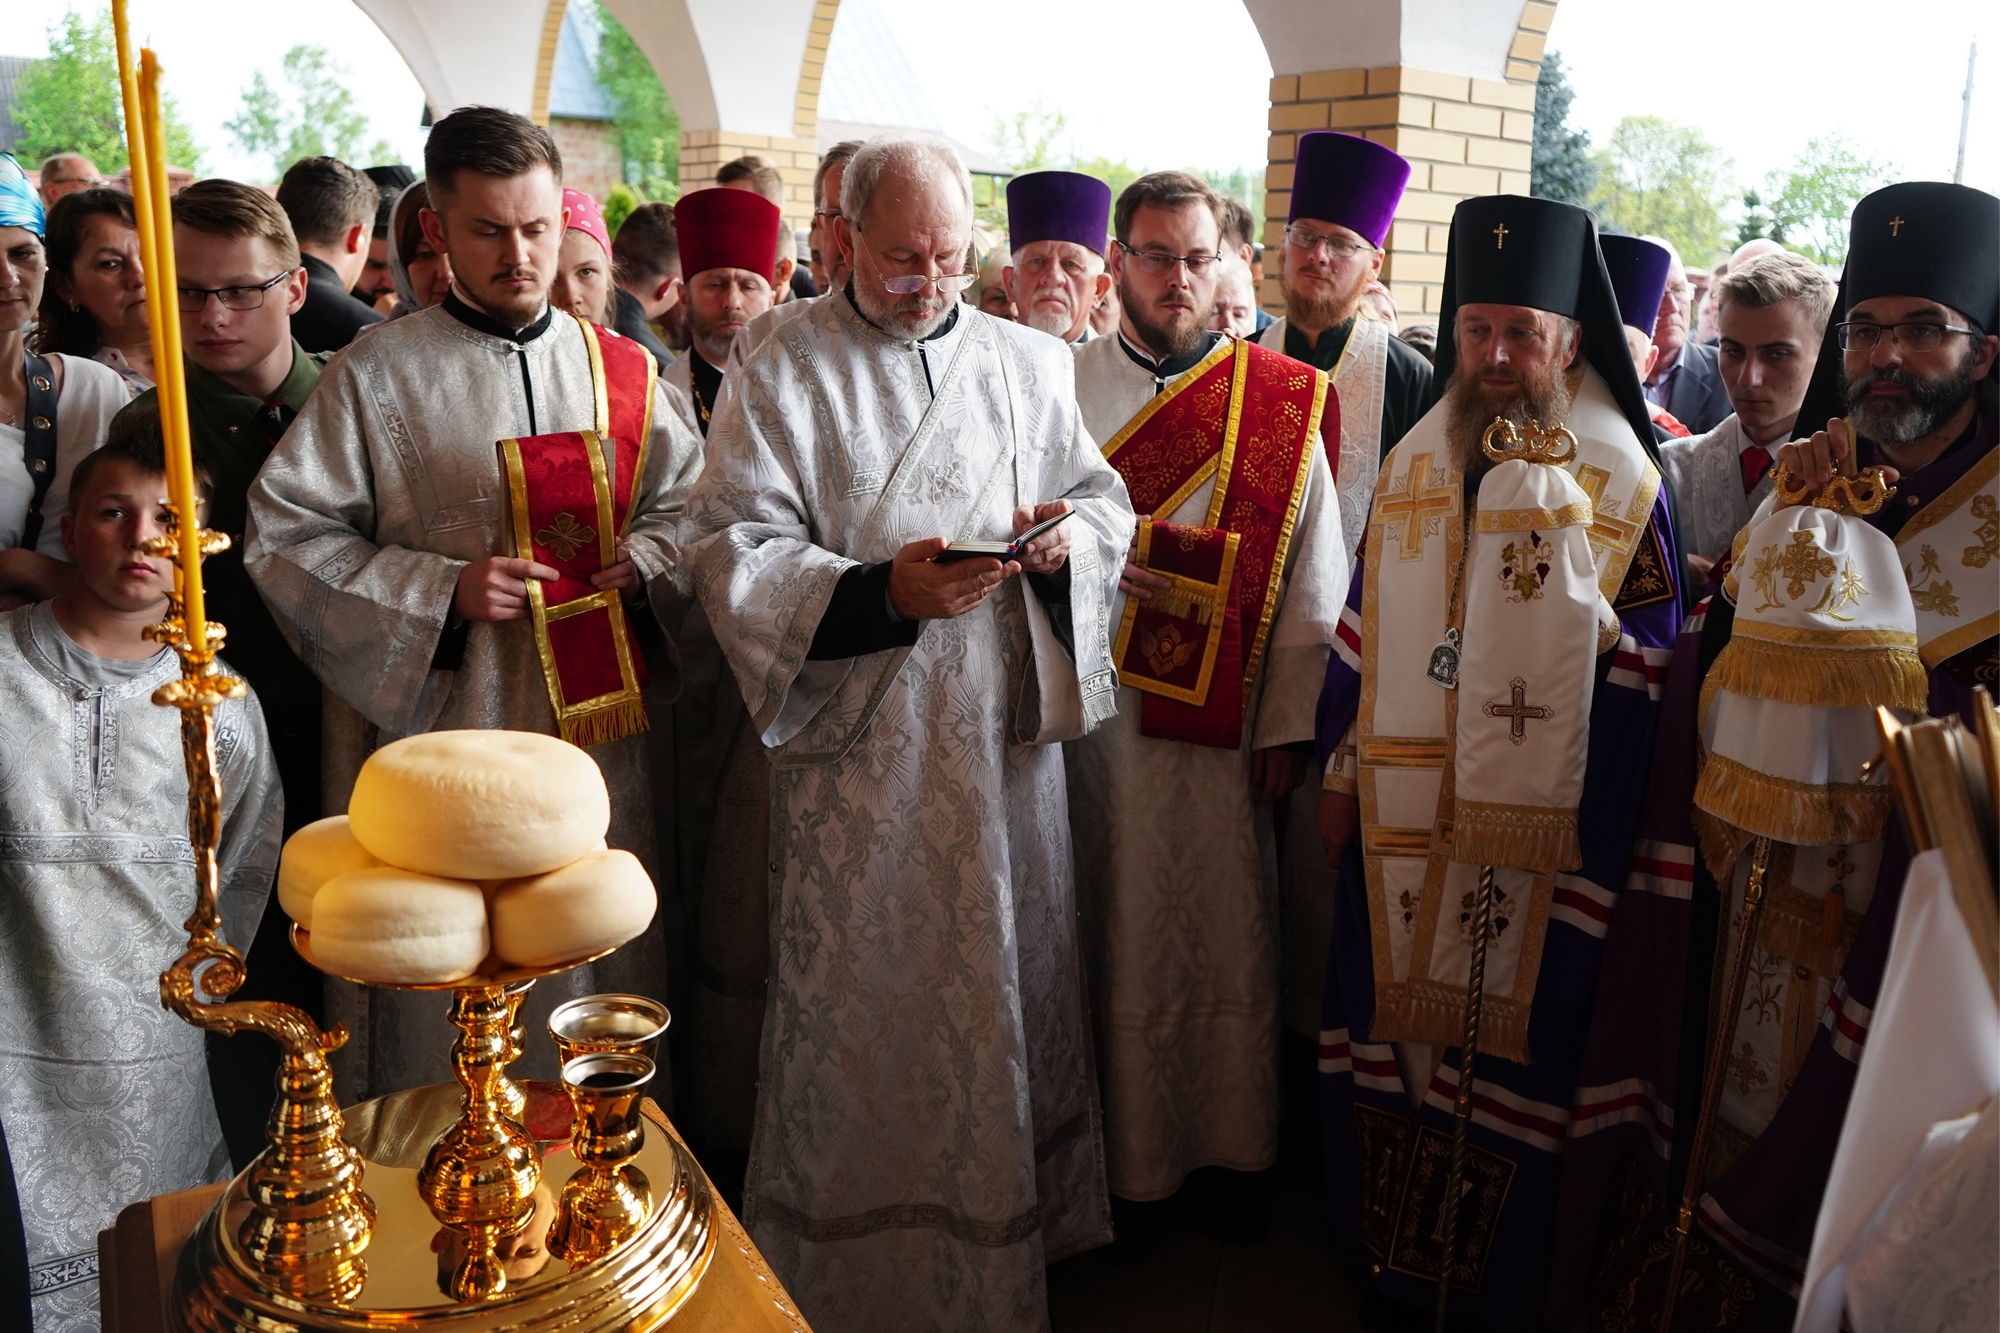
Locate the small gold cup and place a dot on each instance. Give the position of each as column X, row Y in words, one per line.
column 614, row 1024
column 608, row 1198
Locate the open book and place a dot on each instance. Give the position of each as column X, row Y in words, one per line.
column 1002, row 551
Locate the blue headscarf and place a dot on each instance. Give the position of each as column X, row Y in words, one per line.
column 18, row 205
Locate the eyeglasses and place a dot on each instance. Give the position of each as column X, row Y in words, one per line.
column 948, row 284
column 1914, row 335
column 1308, row 241
column 1159, row 263
column 194, row 300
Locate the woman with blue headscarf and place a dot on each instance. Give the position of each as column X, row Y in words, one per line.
column 53, row 409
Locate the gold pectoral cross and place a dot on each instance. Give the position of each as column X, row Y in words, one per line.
column 1519, row 711
column 1500, row 237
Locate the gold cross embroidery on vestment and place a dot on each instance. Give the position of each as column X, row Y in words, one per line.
column 1420, row 504
column 565, row 535
column 1607, row 531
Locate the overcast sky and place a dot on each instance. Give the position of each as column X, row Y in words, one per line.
column 1183, row 82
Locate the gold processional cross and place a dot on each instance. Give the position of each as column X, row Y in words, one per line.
column 1420, row 504
column 1519, row 712
column 1500, row 237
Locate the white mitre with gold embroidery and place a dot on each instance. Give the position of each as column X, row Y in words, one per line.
column 1825, row 632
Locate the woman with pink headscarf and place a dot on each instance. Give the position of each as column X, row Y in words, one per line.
column 583, row 266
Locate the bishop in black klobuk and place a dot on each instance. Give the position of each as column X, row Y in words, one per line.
column 1388, row 736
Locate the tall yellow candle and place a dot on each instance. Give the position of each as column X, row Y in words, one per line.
column 154, row 215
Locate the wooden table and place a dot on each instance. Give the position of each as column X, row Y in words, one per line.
column 136, row 1257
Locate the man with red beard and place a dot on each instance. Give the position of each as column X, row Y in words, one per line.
column 1530, row 336
column 1344, row 195
column 1057, row 224
column 1229, row 603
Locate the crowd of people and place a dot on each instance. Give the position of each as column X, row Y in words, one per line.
column 1000, row 878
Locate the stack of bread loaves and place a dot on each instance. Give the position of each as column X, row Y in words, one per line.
column 460, row 845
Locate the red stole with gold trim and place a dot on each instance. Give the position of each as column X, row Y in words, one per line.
column 1247, row 417
column 570, row 497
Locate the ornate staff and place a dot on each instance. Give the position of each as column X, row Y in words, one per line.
column 1711, row 1084
column 1461, row 1117
column 308, row 1220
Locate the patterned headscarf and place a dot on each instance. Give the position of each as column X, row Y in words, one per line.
column 18, row 205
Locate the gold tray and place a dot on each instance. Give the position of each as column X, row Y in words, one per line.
column 634, row 1289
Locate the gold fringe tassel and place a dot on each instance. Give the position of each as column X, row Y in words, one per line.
column 1721, row 843
column 1824, row 676
column 1517, row 837
column 1433, row 1012
column 1802, row 813
column 600, row 726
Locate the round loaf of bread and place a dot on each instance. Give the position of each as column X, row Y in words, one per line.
column 399, row 927
column 314, row 855
column 597, row 902
column 479, row 804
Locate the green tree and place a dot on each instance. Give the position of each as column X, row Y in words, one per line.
column 1756, row 220
column 319, row 118
column 1561, row 167
column 70, row 102
column 1027, row 139
column 1659, row 178
column 1812, row 200
column 619, row 203
column 645, row 124
column 1242, row 185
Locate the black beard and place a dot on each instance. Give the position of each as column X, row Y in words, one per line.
column 1166, row 340
column 1542, row 401
column 1931, row 403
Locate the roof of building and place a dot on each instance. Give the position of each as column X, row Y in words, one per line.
column 574, row 92
column 11, row 70
column 869, row 87
column 978, row 162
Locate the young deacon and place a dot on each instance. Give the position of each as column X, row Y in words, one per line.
column 1231, row 595
column 104, row 1093
column 396, row 542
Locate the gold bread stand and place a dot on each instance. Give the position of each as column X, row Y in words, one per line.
column 138, row 1257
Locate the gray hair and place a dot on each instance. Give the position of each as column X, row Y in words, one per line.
column 841, row 152
column 918, row 156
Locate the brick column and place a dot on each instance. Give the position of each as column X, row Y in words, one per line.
column 796, row 156
column 702, row 151
column 1463, row 137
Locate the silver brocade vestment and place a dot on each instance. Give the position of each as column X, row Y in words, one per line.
column 927, row 1137
column 385, row 487
column 104, row 1094
column 1175, row 863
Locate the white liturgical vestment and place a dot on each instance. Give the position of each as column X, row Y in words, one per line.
column 927, row 1135
column 387, row 485
column 1179, row 900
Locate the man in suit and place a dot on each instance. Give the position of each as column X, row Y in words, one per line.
column 332, row 209
column 1686, row 378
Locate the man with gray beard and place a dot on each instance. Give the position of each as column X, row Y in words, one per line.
column 1912, row 361
column 1530, row 335
column 926, row 1131
column 1057, row 225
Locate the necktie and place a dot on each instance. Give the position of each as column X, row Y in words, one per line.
column 275, row 418
column 1755, row 461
